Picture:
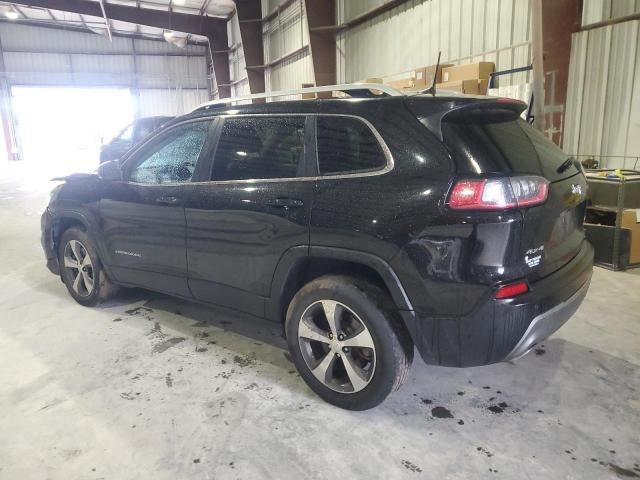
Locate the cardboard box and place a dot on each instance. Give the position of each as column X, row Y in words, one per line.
column 370, row 80
column 483, row 86
column 469, row 87
column 308, row 96
column 631, row 221
column 468, row 71
column 402, row 83
column 424, row 76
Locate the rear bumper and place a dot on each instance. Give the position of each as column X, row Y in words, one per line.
column 545, row 324
column 500, row 330
column 48, row 245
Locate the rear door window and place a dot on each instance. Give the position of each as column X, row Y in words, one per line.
column 260, row 148
column 347, row 145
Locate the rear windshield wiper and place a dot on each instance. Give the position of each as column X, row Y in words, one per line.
column 566, row 165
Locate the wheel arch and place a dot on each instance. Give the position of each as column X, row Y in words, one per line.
column 64, row 222
column 300, row 265
column 71, row 218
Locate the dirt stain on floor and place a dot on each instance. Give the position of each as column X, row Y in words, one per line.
column 245, row 360
column 623, row 472
column 441, row 412
column 411, row 466
column 499, row 408
column 167, row 344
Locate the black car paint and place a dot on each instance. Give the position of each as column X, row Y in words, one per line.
column 231, row 243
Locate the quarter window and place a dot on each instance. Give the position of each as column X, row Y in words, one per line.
column 347, row 145
column 173, row 158
column 259, row 148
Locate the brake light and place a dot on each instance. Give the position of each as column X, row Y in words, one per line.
column 511, row 290
column 499, row 193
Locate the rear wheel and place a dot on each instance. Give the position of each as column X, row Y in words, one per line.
column 347, row 342
column 81, row 269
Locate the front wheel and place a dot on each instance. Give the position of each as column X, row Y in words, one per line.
column 81, row 270
column 347, row 342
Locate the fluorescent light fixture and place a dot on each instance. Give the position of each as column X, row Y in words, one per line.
column 11, row 14
column 168, row 35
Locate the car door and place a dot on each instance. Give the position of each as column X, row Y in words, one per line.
column 255, row 208
column 143, row 217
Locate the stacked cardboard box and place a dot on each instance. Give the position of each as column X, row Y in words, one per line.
column 423, row 76
column 631, row 221
column 469, row 78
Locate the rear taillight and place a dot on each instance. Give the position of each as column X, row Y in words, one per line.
column 511, row 290
column 499, row 193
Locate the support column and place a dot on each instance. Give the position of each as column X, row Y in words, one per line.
column 250, row 20
column 321, row 16
column 560, row 19
column 6, row 114
column 219, row 47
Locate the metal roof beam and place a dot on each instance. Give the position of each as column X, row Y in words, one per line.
column 106, row 20
column 181, row 22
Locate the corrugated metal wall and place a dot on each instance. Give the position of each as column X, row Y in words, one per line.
column 284, row 34
column 411, row 35
column 603, row 97
column 45, row 56
column 594, row 11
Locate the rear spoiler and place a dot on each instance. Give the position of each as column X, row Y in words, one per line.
column 433, row 121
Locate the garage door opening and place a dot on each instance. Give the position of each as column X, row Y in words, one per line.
column 61, row 129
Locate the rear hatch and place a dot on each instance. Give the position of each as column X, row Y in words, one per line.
column 487, row 138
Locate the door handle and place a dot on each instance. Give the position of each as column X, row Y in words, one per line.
column 285, row 202
column 169, row 200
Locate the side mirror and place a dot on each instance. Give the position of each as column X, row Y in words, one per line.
column 110, row 170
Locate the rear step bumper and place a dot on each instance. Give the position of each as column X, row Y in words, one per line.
column 501, row 330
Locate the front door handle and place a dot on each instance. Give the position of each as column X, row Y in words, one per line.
column 285, row 202
column 169, row 200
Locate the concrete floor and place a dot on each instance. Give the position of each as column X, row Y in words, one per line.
column 151, row 387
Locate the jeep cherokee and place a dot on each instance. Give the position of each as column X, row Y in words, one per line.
column 367, row 226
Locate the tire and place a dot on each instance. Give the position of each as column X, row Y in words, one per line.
column 378, row 351
column 93, row 287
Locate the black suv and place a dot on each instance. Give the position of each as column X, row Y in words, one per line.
column 366, row 226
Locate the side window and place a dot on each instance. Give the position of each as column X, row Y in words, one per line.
column 347, row 145
column 173, row 157
column 259, row 148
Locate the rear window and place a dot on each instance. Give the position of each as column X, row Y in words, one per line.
column 347, row 145
column 496, row 143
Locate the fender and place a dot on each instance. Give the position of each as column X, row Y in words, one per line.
column 293, row 258
column 89, row 227
column 389, row 277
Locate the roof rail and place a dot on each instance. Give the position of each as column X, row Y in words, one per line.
column 355, row 89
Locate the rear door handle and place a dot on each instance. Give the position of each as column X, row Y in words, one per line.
column 167, row 200
column 285, row 202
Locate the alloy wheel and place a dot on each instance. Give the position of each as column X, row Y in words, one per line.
column 77, row 263
column 337, row 346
